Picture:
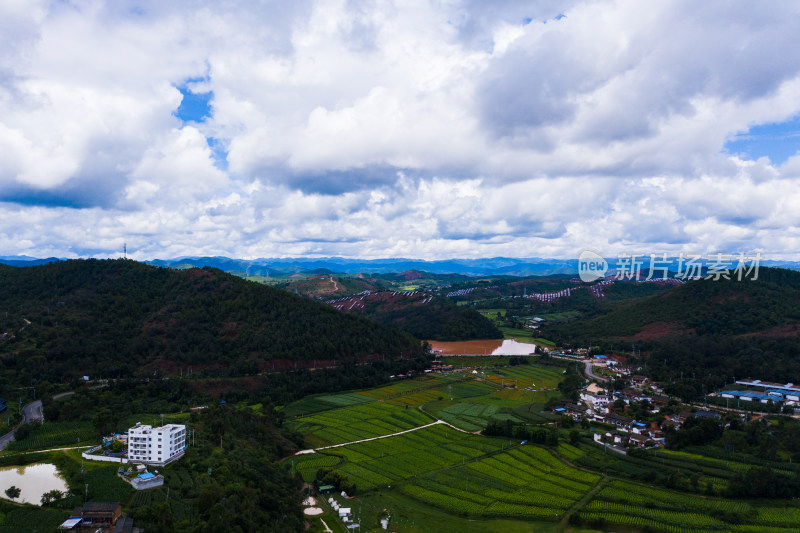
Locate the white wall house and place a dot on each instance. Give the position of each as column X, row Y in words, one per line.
column 157, row 446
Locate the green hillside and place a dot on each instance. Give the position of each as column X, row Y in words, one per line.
column 702, row 307
column 701, row 335
column 109, row 318
column 439, row 319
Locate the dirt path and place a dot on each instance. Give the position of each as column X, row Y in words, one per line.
column 63, row 449
column 303, row 452
column 578, row 505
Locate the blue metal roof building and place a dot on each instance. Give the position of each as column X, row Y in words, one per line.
column 783, row 393
column 747, row 396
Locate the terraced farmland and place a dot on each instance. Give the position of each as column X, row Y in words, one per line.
column 525, row 482
column 53, row 434
column 631, row 505
column 531, row 375
column 358, row 422
column 472, row 416
column 388, row 461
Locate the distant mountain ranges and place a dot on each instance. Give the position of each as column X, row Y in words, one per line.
column 282, row 267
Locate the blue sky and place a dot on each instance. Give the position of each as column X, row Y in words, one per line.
column 778, row 142
column 195, row 107
column 377, row 129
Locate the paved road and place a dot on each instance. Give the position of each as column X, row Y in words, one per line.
column 591, row 374
column 30, row 412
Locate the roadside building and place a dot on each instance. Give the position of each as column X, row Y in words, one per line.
column 747, row 396
column 769, row 385
column 156, row 446
column 614, row 419
column 97, row 514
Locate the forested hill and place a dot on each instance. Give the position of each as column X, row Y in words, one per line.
column 421, row 314
column 768, row 306
column 120, row 317
column 702, row 334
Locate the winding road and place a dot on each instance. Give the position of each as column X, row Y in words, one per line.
column 30, row 412
column 591, row 374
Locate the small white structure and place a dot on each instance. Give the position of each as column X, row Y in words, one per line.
column 156, row 446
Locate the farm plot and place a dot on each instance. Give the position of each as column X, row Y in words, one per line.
column 179, row 479
column 316, row 404
column 445, row 389
column 628, row 504
column 307, row 465
column 407, row 387
column 56, row 434
column 526, row 482
column 536, row 376
column 416, row 398
column 473, row 416
column 105, row 485
column 358, row 422
column 388, row 461
column 31, row 518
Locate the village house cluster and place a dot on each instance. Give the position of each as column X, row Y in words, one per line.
column 606, row 406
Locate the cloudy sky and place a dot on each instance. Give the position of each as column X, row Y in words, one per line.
column 424, row 129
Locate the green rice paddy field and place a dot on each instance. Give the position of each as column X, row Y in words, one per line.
column 447, row 473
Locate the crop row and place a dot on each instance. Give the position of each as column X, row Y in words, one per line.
column 642, row 522
column 471, row 409
column 497, row 468
column 570, row 452
column 535, row 497
column 53, row 434
column 536, row 456
column 345, row 399
column 780, row 516
column 529, row 511
column 462, row 422
column 359, row 422
column 179, row 478
column 443, row 501
column 416, row 398
column 653, row 497
column 144, row 498
column 675, row 518
column 464, row 493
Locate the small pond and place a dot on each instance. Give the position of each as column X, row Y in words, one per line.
column 33, row 480
column 483, row 347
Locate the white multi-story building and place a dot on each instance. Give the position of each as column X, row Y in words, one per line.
column 157, row 446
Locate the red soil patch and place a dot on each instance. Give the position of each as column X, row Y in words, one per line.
column 657, row 330
column 411, row 274
column 789, row 330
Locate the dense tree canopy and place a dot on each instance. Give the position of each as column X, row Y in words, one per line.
column 122, row 318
